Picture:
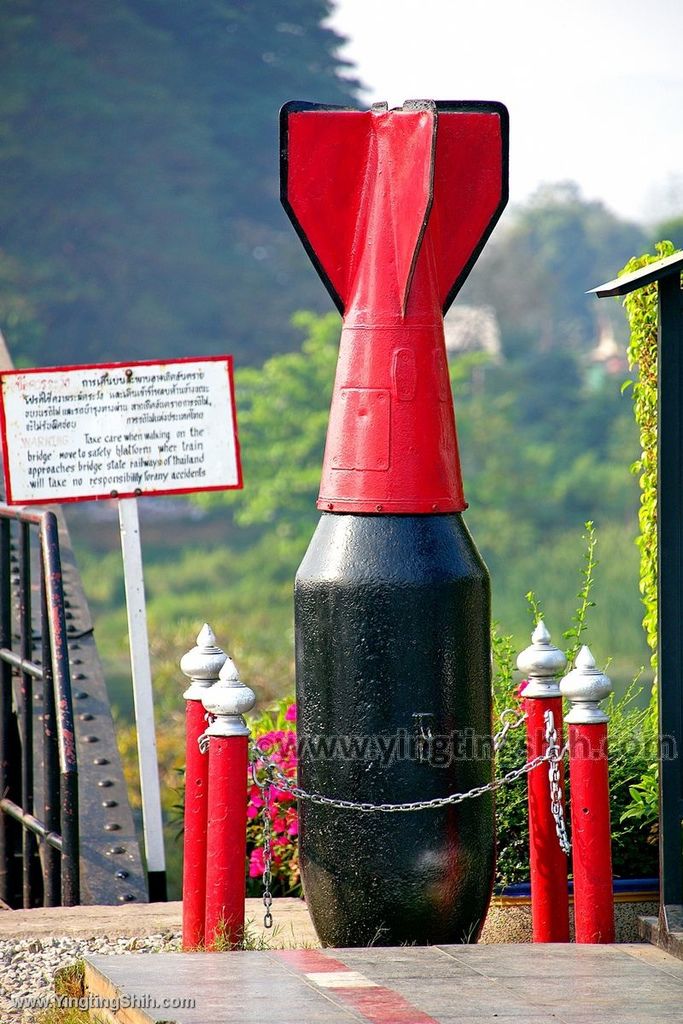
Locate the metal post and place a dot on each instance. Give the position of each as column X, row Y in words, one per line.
column 585, row 687
column 66, row 736
column 143, row 697
column 10, row 772
column 51, row 796
column 29, row 853
column 670, row 599
column 542, row 663
column 228, row 739
column 667, row 272
column 202, row 665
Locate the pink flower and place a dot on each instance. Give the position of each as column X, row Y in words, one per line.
column 290, row 713
column 256, row 863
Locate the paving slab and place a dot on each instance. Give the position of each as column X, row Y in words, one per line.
column 506, row 984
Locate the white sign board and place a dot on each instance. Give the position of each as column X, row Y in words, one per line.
column 121, row 430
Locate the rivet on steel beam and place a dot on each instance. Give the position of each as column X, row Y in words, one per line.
column 541, row 664
column 81, row 695
column 121, row 874
column 110, row 803
column 100, row 760
column 126, row 897
column 91, row 739
column 105, row 783
column 112, row 826
column 87, row 717
column 113, row 851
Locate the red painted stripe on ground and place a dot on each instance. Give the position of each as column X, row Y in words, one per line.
column 379, row 1004
column 309, row 960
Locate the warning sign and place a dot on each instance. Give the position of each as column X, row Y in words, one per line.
column 119, row 430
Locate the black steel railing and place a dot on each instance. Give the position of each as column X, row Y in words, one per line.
column 39, row 848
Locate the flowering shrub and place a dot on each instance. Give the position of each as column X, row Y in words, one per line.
column 274, row 734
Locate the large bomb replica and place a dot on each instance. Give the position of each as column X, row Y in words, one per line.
column 392, row 607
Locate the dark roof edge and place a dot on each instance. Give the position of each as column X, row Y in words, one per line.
column 640, row 278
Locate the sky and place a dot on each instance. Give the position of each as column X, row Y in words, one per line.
column 594, row 87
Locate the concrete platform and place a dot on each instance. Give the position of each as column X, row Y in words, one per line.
column 505, row 984
column 669, row 941
column 292, row 922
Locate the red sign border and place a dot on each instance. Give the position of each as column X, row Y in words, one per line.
column 229, row 365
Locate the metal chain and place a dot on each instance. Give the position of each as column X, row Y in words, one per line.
column 510, row 720
column 552, row 757
column 267, row 876
column 275, row 777
column 556, row 805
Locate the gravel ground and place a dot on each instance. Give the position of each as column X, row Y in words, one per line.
column 28, row 966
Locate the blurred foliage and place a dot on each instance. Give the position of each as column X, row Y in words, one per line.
column 544, row 258
column 139, row 213
column 672, row 230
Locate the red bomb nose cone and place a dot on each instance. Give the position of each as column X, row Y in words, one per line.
column 393, row 208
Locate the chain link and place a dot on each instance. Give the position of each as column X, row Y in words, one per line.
column 556, row 804
column 510, row 720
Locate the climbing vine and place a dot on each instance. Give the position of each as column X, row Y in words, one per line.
column 641, row 307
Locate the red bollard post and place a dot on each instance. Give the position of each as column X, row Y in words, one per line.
column 226, row 844
column 585, row 686
column 202, row 665
column 541, row 664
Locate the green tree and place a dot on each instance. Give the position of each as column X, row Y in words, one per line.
column 672, row 230
column 539, row 265
column 138, row 153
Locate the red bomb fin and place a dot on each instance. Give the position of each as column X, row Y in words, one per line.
column 347, row 175
column 470, row 187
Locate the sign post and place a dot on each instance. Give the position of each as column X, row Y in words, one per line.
column 123, row 430
column 143, row 697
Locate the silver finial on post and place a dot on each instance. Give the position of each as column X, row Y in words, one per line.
column 228, row 700
column 585, row 686
column 202, row 664
column 542, row 663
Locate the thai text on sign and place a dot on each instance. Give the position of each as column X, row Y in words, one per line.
column 119, row 430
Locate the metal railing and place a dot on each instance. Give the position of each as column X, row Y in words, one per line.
column 39, row 855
